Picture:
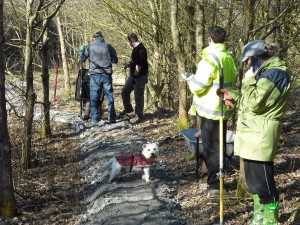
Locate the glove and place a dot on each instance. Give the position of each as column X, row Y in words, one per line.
column 81, row 48
column 250, row 73
column 187, row 76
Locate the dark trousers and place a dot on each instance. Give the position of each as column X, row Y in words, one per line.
column 211, row 149
column 136, row 85
column 260, row 180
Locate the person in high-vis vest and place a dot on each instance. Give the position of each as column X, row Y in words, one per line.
column 206, row 102
column 261, row 102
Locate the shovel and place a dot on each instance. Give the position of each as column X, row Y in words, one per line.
column 221, row 159
column 221, row 152
column 221, row 142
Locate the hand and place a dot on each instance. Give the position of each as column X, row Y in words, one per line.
column 227, row 99
column 250, row 72
column 81, row 48
column 225, row 93
column 187, row 76
column 228, row 103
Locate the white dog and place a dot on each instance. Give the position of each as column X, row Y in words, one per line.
column 139, row 161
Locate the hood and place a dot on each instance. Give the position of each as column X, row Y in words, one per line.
column 213, row 48
column 275, row 63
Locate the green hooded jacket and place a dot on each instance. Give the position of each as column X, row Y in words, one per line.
column 261, row 102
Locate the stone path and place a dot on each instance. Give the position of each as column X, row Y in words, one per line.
column 129, row 200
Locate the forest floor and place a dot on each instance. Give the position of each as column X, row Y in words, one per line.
column 63, row 187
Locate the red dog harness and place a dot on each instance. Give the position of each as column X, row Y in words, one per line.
column 137, row 160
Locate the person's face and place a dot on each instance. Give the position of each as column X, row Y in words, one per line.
column 130, row 43
column 248, row 62
column 209, row 40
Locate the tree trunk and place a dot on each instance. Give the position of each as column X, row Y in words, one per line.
column 156, row 54
column 63, row 56
column 29, row 94
column 199, row 35
column 33, row 38
column 177, row 46
column 7, row 198
column 46, row 128
column 200, row 28
column 272, row 14
column 156, row 85
column 248, row 26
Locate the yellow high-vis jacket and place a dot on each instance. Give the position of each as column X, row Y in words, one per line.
column 205, row 83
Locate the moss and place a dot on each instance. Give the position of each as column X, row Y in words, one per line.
column 183, row 123
column 295, row 217
column 43, row 133
column 8, row 208
column 67, row 93
column 241, row 190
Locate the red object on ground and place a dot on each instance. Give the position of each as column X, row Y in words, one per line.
column 56, row 79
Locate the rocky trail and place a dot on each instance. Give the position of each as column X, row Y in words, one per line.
column 129, row 199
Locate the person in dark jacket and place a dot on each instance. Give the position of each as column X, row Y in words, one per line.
column 262, row 102
column 101, row 56
column 137, row 80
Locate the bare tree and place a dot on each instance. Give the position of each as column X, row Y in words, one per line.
column 179, row 55
column 46, row 128
column 272, row 14
column 249, row 16
column 199, row 36
column 63, row 55
column 33, row 11
column 159, row 78
column 199, row 27
column 7, row 198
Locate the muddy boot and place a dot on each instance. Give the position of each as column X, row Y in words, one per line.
column 86, row 115
column 270, row 216
column 258, row 211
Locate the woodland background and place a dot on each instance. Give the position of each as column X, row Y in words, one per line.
column 36, row 36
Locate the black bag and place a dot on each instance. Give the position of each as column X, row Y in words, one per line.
column 82, row 92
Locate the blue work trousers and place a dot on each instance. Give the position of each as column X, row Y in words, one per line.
column 99, row 82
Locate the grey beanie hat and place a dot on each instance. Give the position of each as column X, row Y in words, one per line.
column 253, row 48
column 97, row 34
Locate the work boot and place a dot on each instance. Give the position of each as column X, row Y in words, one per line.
column 213, row 193
column 258, row 211
column 124, row 112
column 270, row 215
column 136, row 120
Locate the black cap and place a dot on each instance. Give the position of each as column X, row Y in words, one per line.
column 97, row 34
